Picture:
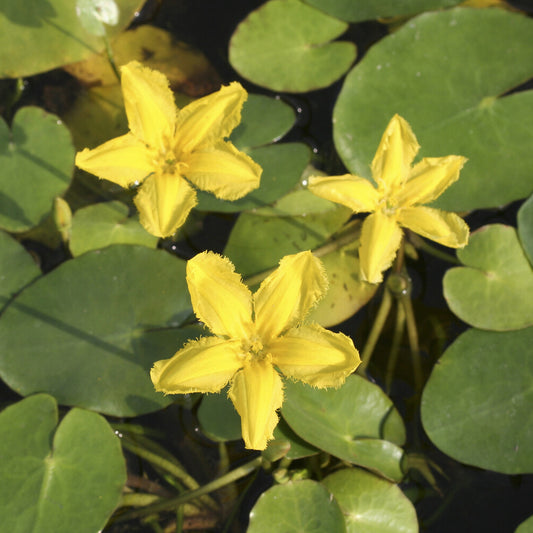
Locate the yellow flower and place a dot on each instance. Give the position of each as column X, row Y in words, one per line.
column 254, row 336
column 167, row 148
column 401, row 189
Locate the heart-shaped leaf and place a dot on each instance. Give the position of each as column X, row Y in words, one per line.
column 101, row 225
column 477, row 406
column 447, row 75
column 97, row 324
column 60, row 479
column 526, row 526
column 371, row 504
column 488, row 292
column 356, row 11
column 17, row 268
column 357, row 423
column 65, row 32
column 36, row 162
column 285, row 45
column 295, row 507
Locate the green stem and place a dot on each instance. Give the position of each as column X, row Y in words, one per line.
column 375, row 332
column 111, row 57
column 412, row 334
column 419, row 242
column 216, row 484
column 395, row 347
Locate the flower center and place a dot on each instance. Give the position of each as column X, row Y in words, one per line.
column 166, row 161
column 252, row 348
column 388, row 206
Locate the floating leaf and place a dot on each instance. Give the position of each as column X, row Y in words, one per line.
column 54, row 32
column 285, row 45
column 447, row 75
column 526, row 526
column 371, row 504
column 488, row 292
column 357, row 423
column 295, row 507
column 36, row 162
column 525, row 227
column 298, row 448
column 477, row 406
column 95, row 15
column 187, row 69
column 359, row 10
column 257, row 243
column 60, row 479
column 17, row 268
column 101, row 225
column 97, row 323
column 218, row 417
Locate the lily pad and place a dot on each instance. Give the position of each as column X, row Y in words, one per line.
column 257, row 243
column 101, row 225
column 347, row 293
column 526, row 526
column 359, row 10
column 525, row 227
column 285, row 45
column 61, row 479
column 64, row 32
column 17, row 268
column 371, row 504
column 477, row 406
column 218, row 417
column 36, row 163
column 488, row 292
column 295, row 507
column 357, row 423
column 97, row 323
column 447, row 75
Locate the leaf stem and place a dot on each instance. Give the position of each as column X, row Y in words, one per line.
column 422, row 244
column 395, row 347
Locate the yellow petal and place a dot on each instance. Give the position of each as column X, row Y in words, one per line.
column 315, row 355
column 203, row 365
column 149, row 104
column 123, row 160
column 351, row 191
column 286, row 295
column 224, row 171
column 164, row 202
column 429, row 179
column 439, row 226
column 257, row 393
column 209, row 119
column 219, row 298
column 395, row 154
column 380, row 240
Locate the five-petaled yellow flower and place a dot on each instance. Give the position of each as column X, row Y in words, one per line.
column 167, row 148
column 401, row 189
column 256, row 335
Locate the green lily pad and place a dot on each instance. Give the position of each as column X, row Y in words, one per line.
column 36, row 163
column 17, row 268
column 359, row 10
column 357, row 423
column 257, row 243
column 56, row 32
column 488, row 292
column 218, row 418
column 101, row 225
column 57, row 479
column 285, row 45
column 525, row 227
column 300, row 202
column 297, row 447
column 295, row 507
column 477, row 406
column 264, row 121
column 371, row 504
column 97, row 323
column 447, row 75
column 526, row 526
